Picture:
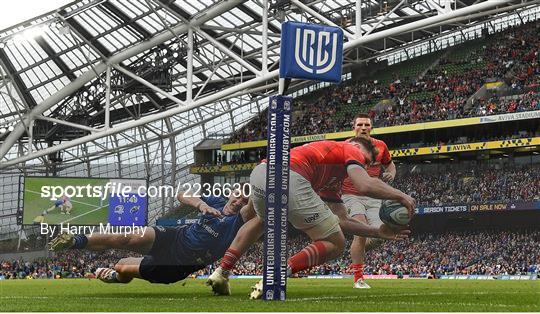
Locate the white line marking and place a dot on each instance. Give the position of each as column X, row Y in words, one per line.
column 388, row 302
column 96, row 208
column 315, row 299
column 73, row 201
column 83, row 214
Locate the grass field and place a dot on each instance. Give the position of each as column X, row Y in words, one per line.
column 315, row 295
column 86, row 210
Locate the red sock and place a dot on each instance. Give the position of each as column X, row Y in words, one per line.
column 229, row 259
column 358, row 271
column 311, row 255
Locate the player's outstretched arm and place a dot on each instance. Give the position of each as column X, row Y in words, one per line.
column 376, row 188
column 389, row 233
column 354, row 227
column 197, row 202
column 349, row 225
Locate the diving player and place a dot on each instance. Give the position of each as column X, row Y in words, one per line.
column 171, row 253
column 63, row 203
column 317, row 172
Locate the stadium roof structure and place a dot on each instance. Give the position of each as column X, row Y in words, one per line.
column 143, row 81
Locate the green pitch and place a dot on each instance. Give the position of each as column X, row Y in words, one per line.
column 86, row 210
column 317, row 295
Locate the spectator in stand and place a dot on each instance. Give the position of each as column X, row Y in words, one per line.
column 69, row 264
column 511, row 56
column 491, row 252
column 478, row 185
column 486, row 252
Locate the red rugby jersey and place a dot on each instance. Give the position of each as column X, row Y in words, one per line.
column 324, row 165
column 375, row 169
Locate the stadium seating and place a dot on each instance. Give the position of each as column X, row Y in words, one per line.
column 485, row 252
column 429, row 88
column 475, row 185
column 68, row 264
column 493, row 252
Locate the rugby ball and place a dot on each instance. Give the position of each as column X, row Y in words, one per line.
column 394, row 214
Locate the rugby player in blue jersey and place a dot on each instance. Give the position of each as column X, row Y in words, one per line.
column 171, row 253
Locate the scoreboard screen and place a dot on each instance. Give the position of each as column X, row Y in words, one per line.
column 84, row 201
column 130, row 208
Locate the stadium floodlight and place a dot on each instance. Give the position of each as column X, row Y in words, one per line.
column 154, row 66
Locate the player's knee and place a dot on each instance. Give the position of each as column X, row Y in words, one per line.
column 360, row 217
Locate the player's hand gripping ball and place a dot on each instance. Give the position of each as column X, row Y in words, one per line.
column 394, row 214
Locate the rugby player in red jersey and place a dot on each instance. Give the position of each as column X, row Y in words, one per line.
column 360, row 206
column 317, row 173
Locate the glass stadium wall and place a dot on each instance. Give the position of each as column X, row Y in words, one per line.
column 153, row 160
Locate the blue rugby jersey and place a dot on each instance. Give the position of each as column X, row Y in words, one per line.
column 209, row 238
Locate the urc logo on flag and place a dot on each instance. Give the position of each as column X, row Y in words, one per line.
column 311, row 51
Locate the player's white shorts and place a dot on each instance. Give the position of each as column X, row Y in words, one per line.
column 363, row 205
column 307, row 211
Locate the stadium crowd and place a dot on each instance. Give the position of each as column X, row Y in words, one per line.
column 441, row 93
column 472, row 252
column 491, row 252
column 487, row 252
column 496, row 105
column 236, row 158
column 67, row 264
column 478, row 184
column 475, row 185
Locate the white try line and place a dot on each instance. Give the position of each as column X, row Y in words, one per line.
column 83, row 214
column 409, row 294
column 397, row 302
column 96, row 208
column 72, row 201
column 313, row 299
